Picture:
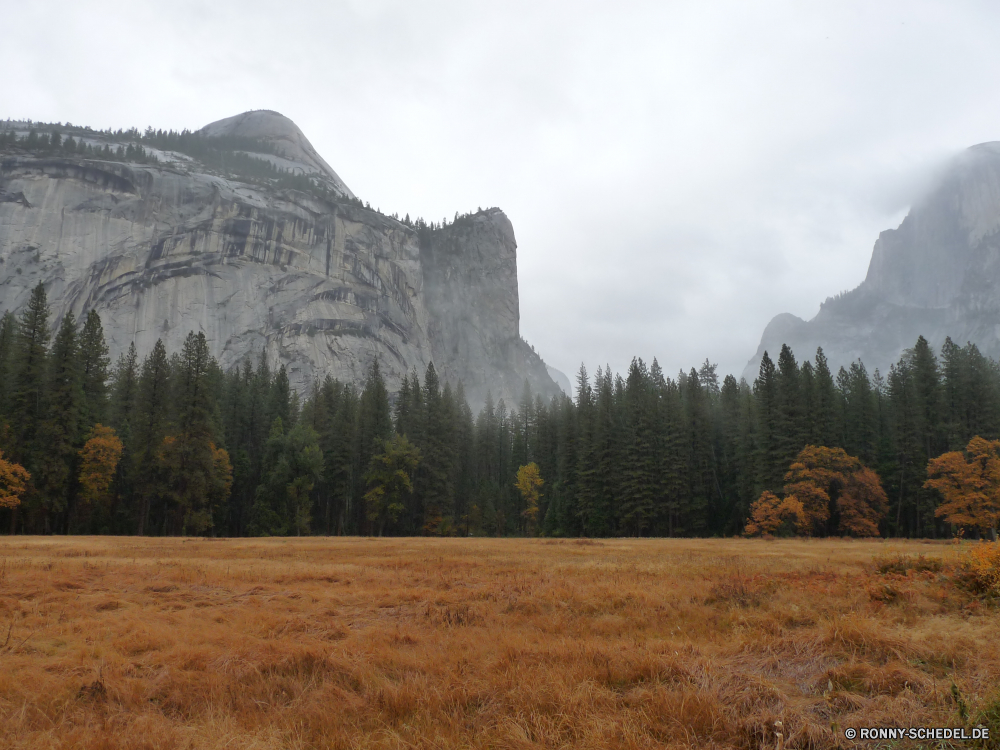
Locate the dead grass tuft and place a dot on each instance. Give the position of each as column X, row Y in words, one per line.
column 739, row 585
column 901, row 564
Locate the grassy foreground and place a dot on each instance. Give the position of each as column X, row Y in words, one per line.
column 483, row 643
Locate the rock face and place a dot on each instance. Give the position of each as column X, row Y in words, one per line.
column 936, row 275
column 293, row 149
column 322, row 286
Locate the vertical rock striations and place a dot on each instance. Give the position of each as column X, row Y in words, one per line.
column 317, row 282
column 470, row 288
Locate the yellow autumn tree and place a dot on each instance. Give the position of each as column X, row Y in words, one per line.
column 98, row 460
column 771, row 514
column 828, row 481
column 14, row 480
column 969, row 482
column 529, row 484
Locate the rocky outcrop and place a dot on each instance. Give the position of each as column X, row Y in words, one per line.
column 470, row 288
column 936, row 275
column 285, row 141
column 322, row 286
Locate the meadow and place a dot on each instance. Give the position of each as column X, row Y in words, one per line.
column 111, row 642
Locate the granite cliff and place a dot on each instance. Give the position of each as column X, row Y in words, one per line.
column 321, row 283
column 936, row 275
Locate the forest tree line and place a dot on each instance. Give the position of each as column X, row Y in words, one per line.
column 190, row 449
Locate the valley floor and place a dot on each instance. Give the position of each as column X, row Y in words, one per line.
column 112, row 642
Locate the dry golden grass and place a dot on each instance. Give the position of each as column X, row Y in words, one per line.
column 454, row 643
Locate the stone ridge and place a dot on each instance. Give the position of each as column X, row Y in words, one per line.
column 936, row 275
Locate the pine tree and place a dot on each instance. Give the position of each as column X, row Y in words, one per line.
column 62, row 428
column 401, row 415
column 124, row 392
column 859, row 417
column 807, row 388
column 389, row 479
column 280, row 399
column 790, row 419
column 562, row 513
column 149, row 428
column 197, row 473
column 587, row 484
column 599, row 469
column 29, row 370
column 640, row 491
column 464, row 466
column 482, row 513
column 769, row 457
column 94, row 362
column 293, row 465
column 122, row 404
column 703, row 493
column 374, row 426
column 736, row 458
column 929, row 408
column 675, row 487
column 506, row 519
column 524, row 451
column 433, row 478
column 8, row 336
column 824, row 403
column 338, row 446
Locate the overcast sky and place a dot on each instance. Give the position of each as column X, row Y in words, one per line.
column 676, row 173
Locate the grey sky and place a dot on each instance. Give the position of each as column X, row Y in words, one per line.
column 676, row 173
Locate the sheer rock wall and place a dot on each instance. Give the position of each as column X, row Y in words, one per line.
column 321, row 287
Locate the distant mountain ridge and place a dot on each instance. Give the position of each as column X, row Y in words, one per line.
column 936, row 275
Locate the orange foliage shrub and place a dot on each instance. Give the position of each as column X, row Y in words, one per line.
column 14, row 480
column 98, row 460
column 969, row 482
column 770, row 514
column 982, row 568
column 820, row 475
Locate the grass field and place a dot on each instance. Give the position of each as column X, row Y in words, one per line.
column 480, row 643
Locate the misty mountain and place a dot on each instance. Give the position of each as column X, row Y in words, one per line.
column 243, row 231
column 936, row 275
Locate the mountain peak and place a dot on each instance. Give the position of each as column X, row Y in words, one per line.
column 283, row 136
column 936, row 275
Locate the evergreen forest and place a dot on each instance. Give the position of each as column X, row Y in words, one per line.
column 170, row 444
